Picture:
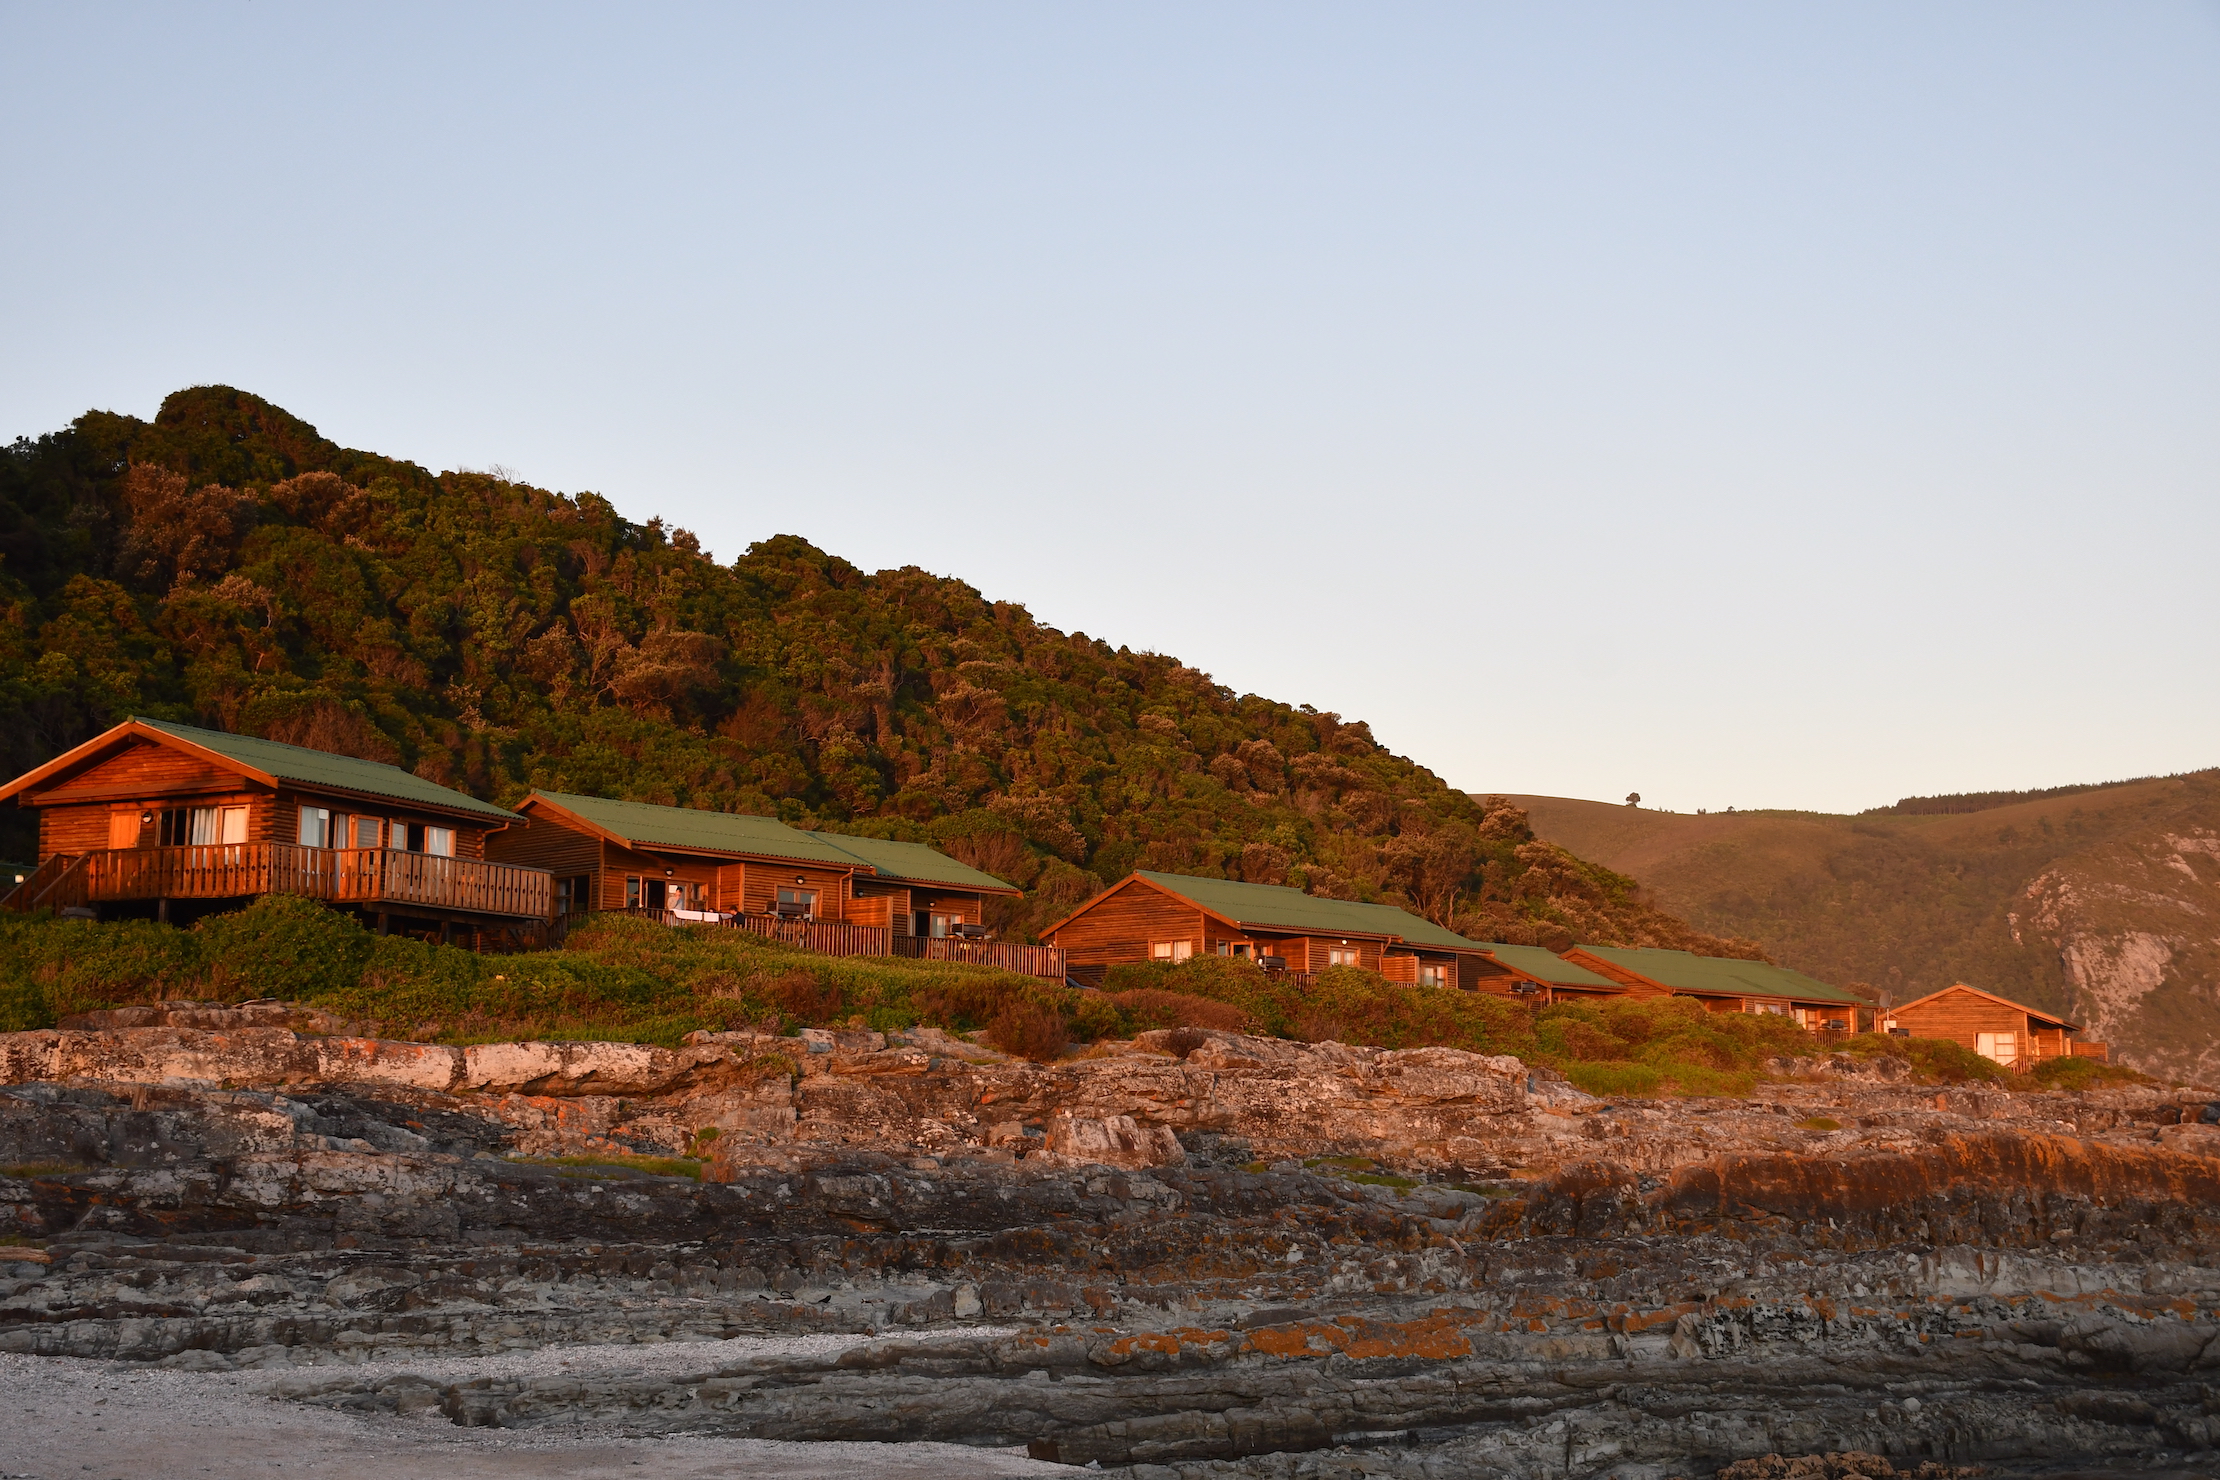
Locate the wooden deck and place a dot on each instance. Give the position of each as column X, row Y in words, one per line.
column 351, row 876
column 831, row 938
column 1042, row 961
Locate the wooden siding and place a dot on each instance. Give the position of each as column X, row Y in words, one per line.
column 622, row 864
column 546, row 842
column 884, row 905
column 83, row 828
column 1316, row 950
column 1960, row 1016
column 1124, row 924
column 282, row 823
column 138, row 770
column 762, row 882
column 960, row 908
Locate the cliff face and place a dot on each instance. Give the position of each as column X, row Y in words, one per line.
column 1215, row 1254
column 2103, row 905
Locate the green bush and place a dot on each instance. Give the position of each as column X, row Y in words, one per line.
column 2084, row 1074
column 282, row 945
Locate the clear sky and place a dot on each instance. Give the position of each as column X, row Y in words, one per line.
column 1753, row 405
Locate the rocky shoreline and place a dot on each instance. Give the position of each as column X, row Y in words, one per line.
column 1197, row 1253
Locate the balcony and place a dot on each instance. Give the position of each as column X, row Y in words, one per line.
column 368, row 877
column 831, row 938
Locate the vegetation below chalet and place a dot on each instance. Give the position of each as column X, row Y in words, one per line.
column 621, row 978
column 227, row 566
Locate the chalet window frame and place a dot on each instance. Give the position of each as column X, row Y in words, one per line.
column 1344, row 956
column 1173, row 951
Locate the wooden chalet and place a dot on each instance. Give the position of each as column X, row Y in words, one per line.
column 1724, row 984
column 159, row 818
column 609, row 855
column 1175, row 917
column 1540, row 975
column 2012, row 1033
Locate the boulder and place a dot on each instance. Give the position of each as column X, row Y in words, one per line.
column 1116, row 1141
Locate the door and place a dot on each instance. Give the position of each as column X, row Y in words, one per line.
column 123, row 829
column 656, row 894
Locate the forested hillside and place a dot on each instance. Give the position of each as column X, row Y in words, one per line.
column 226, row 565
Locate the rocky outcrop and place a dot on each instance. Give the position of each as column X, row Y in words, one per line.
column 1195, row 1254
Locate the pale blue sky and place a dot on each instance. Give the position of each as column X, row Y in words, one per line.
column 1751, row 405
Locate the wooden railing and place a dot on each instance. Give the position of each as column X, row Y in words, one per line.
column 57, row 884
column 831, row 938
column 1043, row 961
column 825, row 937
column 362, row 876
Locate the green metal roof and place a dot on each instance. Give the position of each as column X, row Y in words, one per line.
column 914, row 862
column 1684, row 971
column 321, row 768
column 1545, row 965
column 644, row 823
column 1280, row 908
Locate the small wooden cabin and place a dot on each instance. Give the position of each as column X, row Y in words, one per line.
column 610, row 855
column 1174, row 917
column 2012, row 1033
column 160, row 818
column 1725, row 984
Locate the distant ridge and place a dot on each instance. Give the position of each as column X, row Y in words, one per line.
column 1983, row 801
column 2102, row 901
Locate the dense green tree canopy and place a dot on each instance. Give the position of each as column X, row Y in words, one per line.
column 226, row 565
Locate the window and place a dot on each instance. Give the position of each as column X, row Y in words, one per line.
column 2002, row 1047
column 1777, row 1009
column 1430, row 975
column 1172, row 950
column 440, row 840
column 804, row 902
column 366, row 831
column 631, row 893
column 1343, row 956
column 572, row 895
column 315, row 827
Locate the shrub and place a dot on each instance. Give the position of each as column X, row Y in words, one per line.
column 1030, row 1031
column 2083, row 1073
column 1952, row 1063
column 1143, row 1008
column 283, row 946
column 805, row 998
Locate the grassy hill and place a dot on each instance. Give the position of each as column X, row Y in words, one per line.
column 2102, row 902
column 226, row 565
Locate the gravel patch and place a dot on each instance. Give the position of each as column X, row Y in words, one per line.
column 76, row 1419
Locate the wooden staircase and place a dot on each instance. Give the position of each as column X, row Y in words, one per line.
column 57, row 884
